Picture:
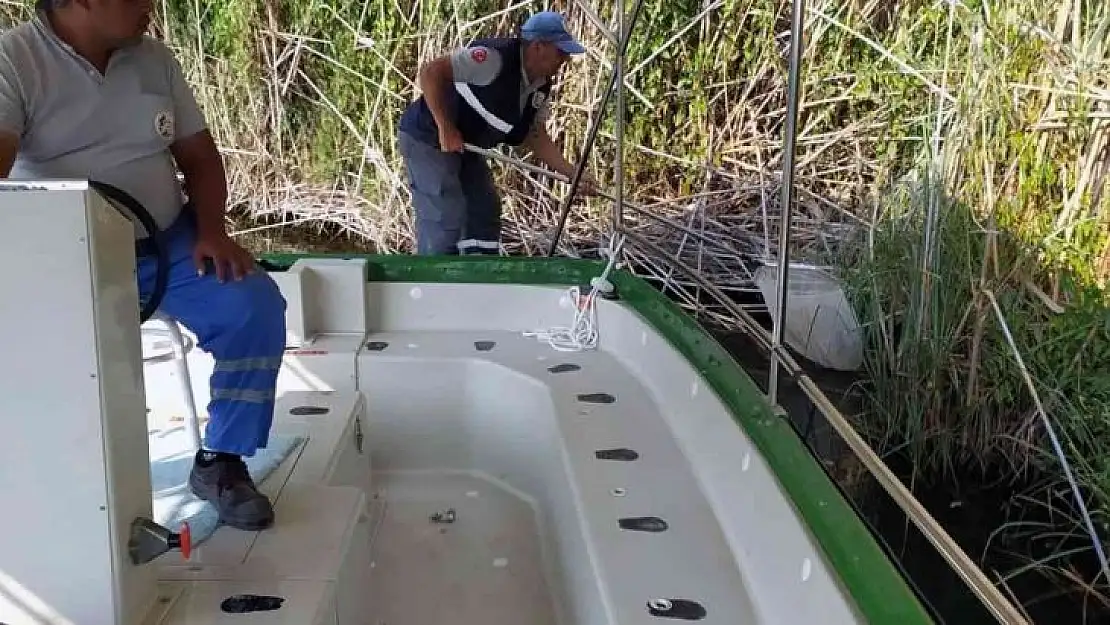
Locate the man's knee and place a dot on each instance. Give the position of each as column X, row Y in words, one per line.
column 244, row 317
column 262, row 306
column 440, row 220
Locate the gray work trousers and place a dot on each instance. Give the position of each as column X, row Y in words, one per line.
column 458, row 210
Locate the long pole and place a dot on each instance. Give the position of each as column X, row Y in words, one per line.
column 789, row 144
column 609, row 195
column 618, row 164
column 564, row 210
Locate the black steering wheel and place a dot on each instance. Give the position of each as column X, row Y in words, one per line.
column 118, row 197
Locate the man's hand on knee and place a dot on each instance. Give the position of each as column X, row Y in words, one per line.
column 228, row 257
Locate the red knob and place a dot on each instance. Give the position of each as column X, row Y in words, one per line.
column 186, row 541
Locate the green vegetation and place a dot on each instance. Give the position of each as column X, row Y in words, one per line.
column 1015, row 183
column 995, row 114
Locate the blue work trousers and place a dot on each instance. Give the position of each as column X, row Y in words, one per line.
column 458, row 210
column 240, row 323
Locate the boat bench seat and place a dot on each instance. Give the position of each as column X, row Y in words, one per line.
column 321, row 537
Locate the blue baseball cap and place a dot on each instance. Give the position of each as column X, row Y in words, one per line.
column 549, row 26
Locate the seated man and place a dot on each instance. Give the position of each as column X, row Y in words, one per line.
column 493, row 92
column 85, row 94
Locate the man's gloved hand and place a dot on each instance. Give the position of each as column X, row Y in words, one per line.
column 228, row 258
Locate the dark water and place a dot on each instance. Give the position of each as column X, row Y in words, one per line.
column 969, row 508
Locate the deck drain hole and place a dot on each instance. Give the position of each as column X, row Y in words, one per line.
column 377, row 346
column 308, row 411
column 807, row 569
column 619, row 492
column 597, row 398
column 681, row 609
column 566, row 367
column 241, row 604
column 484, row 346
column 621, row 454
column 643, row 524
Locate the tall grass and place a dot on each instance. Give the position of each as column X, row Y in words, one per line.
column 958, row 146
column 1008, row 200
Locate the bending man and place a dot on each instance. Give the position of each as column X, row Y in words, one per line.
column 493, row 92
column 85, row 94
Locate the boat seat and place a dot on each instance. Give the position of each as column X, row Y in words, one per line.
column 322, row 530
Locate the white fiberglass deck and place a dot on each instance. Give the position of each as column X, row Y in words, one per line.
column 571, row 488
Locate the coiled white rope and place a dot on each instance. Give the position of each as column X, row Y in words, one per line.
column 582, row 334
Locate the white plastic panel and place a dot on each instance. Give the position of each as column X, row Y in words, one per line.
column 324, row 296
column 336, row 450
column 70, row 397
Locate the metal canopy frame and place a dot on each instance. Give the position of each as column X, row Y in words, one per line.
column 990, row 596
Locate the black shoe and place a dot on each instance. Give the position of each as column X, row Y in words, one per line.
column 225, row 482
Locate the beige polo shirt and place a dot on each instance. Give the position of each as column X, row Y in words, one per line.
column 74, row 122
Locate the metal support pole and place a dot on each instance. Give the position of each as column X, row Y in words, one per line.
column 564, row 210
column 588, row 10
column 789, row 144
column 618, row 165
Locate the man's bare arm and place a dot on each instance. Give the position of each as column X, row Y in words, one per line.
column 476, row 65
column 200, row 162
column 9, row 146
column 435, row 80
column 543, row 147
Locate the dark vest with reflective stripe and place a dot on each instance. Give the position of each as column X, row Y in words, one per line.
column 485, row 115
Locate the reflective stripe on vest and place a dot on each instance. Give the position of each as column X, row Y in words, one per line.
column 472, row 100
column 470, row 246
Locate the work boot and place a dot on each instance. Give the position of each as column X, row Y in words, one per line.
column 223, row 480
